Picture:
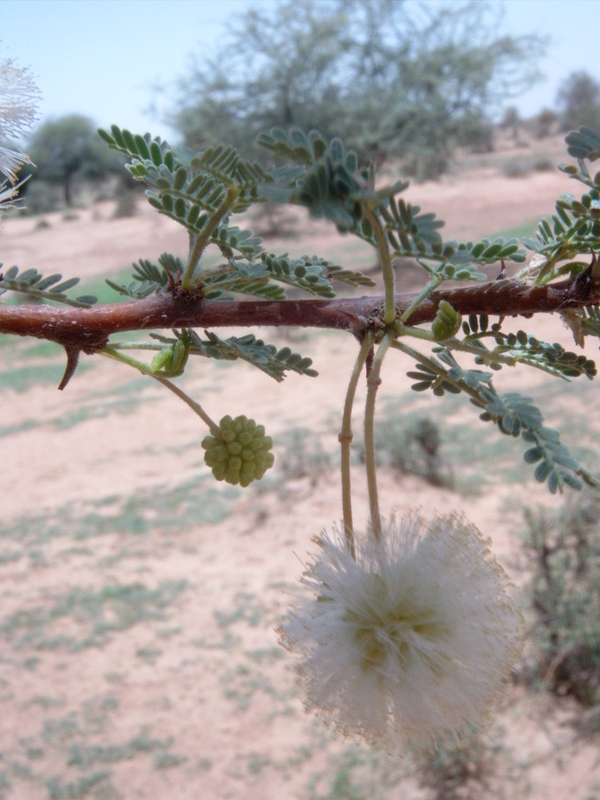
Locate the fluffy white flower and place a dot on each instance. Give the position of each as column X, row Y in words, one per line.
column 18, row 99
column 7, row 193
column 11, row 162
column 411, row 641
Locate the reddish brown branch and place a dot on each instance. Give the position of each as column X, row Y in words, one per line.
column 89, row 329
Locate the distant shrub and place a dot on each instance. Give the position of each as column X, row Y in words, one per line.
column 428, row 167
column 414, row 448
column 126, row 205
column 304, row 456
column 512, row 121
column 516, row 168
column 545, row 123
column 274, row 220
column 564, row 550
column 476, row 133
column 458, row 770
column 42, row 198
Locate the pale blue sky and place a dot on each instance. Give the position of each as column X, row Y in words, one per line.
column 101, row 57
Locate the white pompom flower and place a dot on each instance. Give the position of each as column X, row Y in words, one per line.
column 413, row 640
column 19, row 96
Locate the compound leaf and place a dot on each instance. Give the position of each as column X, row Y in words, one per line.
column 52, row 288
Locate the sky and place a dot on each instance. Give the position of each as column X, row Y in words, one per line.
column 104, row 58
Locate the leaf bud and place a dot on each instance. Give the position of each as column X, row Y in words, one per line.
column 447, row 322
column 171, row 360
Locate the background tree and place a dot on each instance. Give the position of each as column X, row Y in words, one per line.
column 392, row 77
column 67, row 150
column 544, row 123
column 512, row 121
column 578, row 100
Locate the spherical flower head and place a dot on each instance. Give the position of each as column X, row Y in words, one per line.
column 239, row 451
column 412, row 639
column 19, row 97
column 18, row 100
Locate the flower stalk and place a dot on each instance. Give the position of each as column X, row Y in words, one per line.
column 111, row 352
column 373, row 382
column 345, row 439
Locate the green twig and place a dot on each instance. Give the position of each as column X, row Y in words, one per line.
column 389, row 314
column 423, row 295
column 196, row 407
column 345, row 439
column 137, row 346
column 111, row 352
column 373, row 382
column 199, row 241
column 416, row 333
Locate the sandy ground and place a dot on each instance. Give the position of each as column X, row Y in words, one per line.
column 138, row 657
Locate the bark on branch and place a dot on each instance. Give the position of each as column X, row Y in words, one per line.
column 89, row 329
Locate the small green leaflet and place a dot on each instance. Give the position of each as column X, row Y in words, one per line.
column 254, row 351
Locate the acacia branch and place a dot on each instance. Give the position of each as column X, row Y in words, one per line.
column 89, row 329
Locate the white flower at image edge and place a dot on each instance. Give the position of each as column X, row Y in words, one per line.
column 411, row 641
column 19, row 96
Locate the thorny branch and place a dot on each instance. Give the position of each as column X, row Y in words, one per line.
column 89, row 329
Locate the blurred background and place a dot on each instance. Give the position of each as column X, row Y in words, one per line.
column 396, row 79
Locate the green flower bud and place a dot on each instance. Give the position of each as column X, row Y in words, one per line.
column 240, row 453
